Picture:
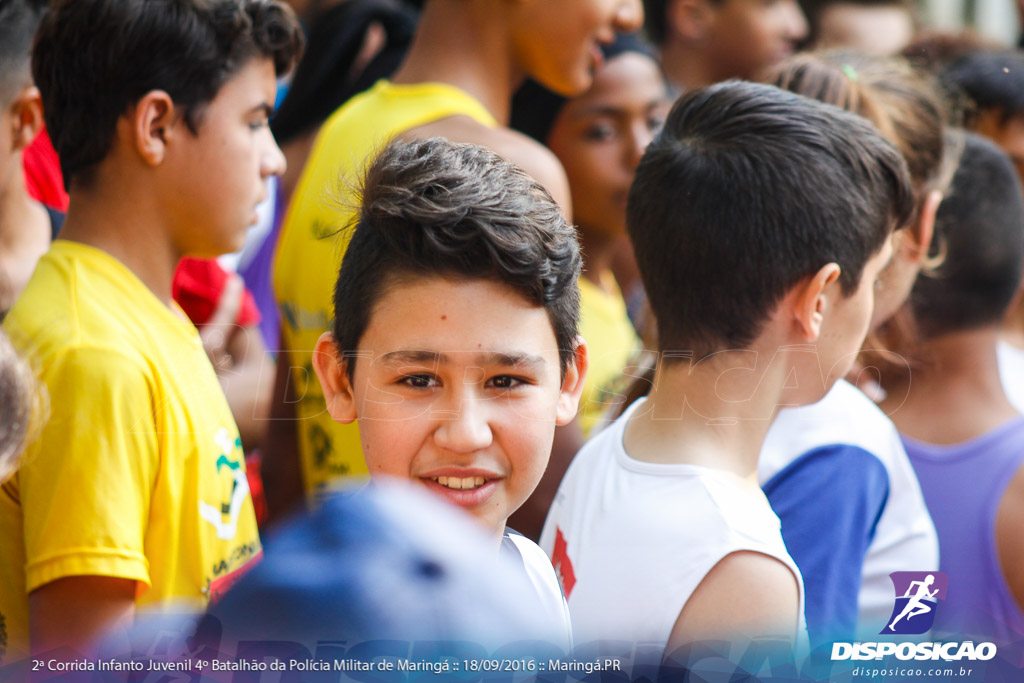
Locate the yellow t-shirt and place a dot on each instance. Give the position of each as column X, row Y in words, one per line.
column 611, row 343
column 139, row 472
column 310, row 250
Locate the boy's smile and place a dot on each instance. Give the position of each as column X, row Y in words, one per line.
column 457, row 386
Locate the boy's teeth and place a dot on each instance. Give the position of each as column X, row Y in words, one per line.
column 460, row 483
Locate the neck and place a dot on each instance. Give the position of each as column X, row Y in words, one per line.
column 598, row 252
column 131, row 231
column 455, row 46
column 23, row 221
column 957, row 394
column 684, row 67
column 1013, row 323
column 714, row 413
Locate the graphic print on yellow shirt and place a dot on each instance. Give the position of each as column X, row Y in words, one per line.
column 313, row 241
column 139, row 472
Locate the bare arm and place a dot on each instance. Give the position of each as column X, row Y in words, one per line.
column 243, row 366
column 78, row 611
column 249, row 384
column 1010, row 536
column 281, row 469
column 747, row 595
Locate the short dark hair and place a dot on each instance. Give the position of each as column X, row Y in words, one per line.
column 745, row 191
column 18, row 21
column 980, row 225
column 94, row 58
column 989, row 79
column 437, row 208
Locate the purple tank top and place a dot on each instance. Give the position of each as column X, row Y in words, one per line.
column 963, row 485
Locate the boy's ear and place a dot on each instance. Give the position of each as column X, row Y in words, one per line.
column 150, row 122
column 572, row 384
column 27, row 108
column 330, row 369
column 918, row 237
column 688, row 19
column 812, row 299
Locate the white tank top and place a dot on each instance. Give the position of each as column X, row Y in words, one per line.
column 632, row 540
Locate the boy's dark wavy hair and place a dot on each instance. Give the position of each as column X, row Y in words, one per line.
column 746, row 190
column 435, row 208
column 93, row 59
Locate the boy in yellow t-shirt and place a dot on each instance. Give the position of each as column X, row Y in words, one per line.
column 134, row 496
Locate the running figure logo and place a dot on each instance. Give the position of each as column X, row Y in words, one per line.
column 917, row 595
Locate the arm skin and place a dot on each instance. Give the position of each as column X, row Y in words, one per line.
column 79, row 611
column 248, row 384
column 1010, row 536
column 745, row 596
column 244, row 368
column 281, row 468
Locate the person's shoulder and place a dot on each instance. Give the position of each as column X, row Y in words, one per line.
column 772, row 608
column 531, row 156
column 83, row 301
column 540, row 573
column 845, row 416
column 739, row 511
column 600, row 455
column 534, row 561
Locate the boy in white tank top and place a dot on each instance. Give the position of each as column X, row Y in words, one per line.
column 760, row 221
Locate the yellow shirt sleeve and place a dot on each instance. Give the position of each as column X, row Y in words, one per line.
column 86, row 482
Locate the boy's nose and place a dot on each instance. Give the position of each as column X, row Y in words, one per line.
column 463, row 428
column 640, row 137
column 796, row 22
column 629, row 16
column 273, row 162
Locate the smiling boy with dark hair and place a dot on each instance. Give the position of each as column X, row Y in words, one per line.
column 458, row 354
column 134, row 497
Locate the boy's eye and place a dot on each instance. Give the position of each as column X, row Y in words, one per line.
column 599, row 132
column 257, row 125
column 419, row 381
column 506, row 382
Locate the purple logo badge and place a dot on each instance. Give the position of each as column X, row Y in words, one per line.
column 917, row 596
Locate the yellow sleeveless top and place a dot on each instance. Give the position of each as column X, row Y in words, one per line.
column 312, row 243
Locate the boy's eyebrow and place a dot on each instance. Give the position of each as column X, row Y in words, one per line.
column 514, row 359
column 598, row 110
column 267, row 109
column 613, row 111
column 511, row 359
